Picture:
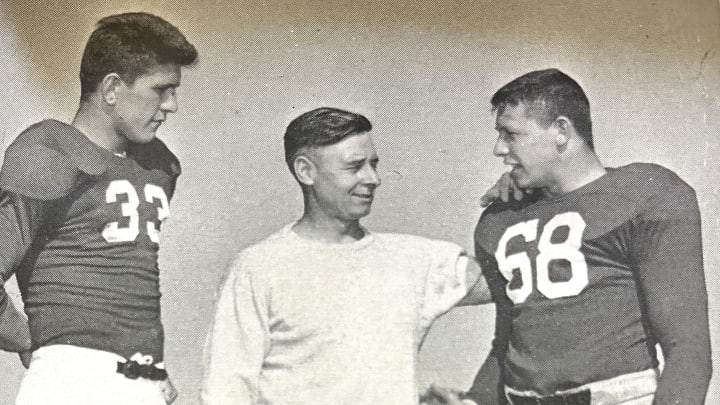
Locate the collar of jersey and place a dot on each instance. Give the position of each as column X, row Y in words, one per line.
column 584, row 189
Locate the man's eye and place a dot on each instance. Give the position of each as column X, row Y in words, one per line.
column 165, row 90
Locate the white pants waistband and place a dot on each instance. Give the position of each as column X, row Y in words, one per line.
column 633, row 388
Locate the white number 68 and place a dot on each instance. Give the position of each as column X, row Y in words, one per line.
column 568, row 250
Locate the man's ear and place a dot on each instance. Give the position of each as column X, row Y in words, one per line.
column 305, row 170
column 109, row 87
column 564, row 129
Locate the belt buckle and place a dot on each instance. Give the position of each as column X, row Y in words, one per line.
column 133, row 370
column 130, row 369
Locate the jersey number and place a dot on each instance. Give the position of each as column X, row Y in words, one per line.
column 548, row 250
column 113, row 232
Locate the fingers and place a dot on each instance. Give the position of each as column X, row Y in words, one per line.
column 505, row 185
column 428, row 398
column 25, row 358
column 503, row 189
column 490, row 195
column 169, row 391
column 445, row 395
column 518, row 193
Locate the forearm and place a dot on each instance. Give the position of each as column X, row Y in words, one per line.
column 478, row 292
column 14, row 329
column 229, row 377
column 20, row 219
column 686, row 376
column 232, row 370
column 680, row 322
column 672, row 282
column 237, row 343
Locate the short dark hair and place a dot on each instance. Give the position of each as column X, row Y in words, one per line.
column 321, row 127
column 548, row 94
column 131, row 44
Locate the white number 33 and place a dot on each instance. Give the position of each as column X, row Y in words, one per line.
column 113, row 232
column 568, row 250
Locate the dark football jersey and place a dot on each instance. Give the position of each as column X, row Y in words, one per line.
column 90, row 277
column 565, row 273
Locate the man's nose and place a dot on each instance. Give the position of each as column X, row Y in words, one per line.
column 170, row 103
column 501, row 148
column 371, row 176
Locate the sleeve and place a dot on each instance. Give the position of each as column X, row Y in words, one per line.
column 37, row 166
column 238, row 340
column 445, row 282
column 20, row 220
column 666, row 249
column 488, row 385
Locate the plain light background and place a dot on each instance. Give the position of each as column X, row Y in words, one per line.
column 423, row 72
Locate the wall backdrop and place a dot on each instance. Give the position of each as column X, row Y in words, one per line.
column 423, row 72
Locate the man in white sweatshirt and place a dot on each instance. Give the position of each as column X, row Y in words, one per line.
column 325, row 311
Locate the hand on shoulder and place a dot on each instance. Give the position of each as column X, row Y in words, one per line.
column 504, row 189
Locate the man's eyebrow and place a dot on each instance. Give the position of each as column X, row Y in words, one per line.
column 167, row 85
column 353, row 160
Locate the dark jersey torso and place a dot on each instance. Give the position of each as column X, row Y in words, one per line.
column 91, row 276
column 564, row 275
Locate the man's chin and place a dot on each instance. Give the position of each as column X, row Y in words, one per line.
column 361, row 213
column 144, row 139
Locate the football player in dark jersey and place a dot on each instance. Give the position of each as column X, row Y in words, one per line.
column 81, row 207
column 589, row 272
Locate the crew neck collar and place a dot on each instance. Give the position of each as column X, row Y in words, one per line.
column 354, row 245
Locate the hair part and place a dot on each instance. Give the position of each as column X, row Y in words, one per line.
column 130, row 45
column 548, row 94
column 321, row 127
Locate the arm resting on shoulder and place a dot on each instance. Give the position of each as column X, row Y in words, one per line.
column 478, row 290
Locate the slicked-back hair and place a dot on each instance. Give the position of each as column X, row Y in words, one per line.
column 131, row 44
column 321, row 127
column 546, row 95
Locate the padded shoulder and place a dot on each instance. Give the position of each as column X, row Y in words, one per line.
column 648, row 180
column 650, row 171
column 45, row 161
column 155, row 155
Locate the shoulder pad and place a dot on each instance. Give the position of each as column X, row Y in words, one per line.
column 652, row 179
column 155, row 155
column 45, row 161
column 647, row 169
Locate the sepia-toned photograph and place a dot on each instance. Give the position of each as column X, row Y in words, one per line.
column 377, row 202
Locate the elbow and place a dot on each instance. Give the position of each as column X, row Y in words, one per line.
column 706, row 370
column 693, row 355
column 698, row 362
column 705, row 367
column 703, row 376
column 703, row 360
